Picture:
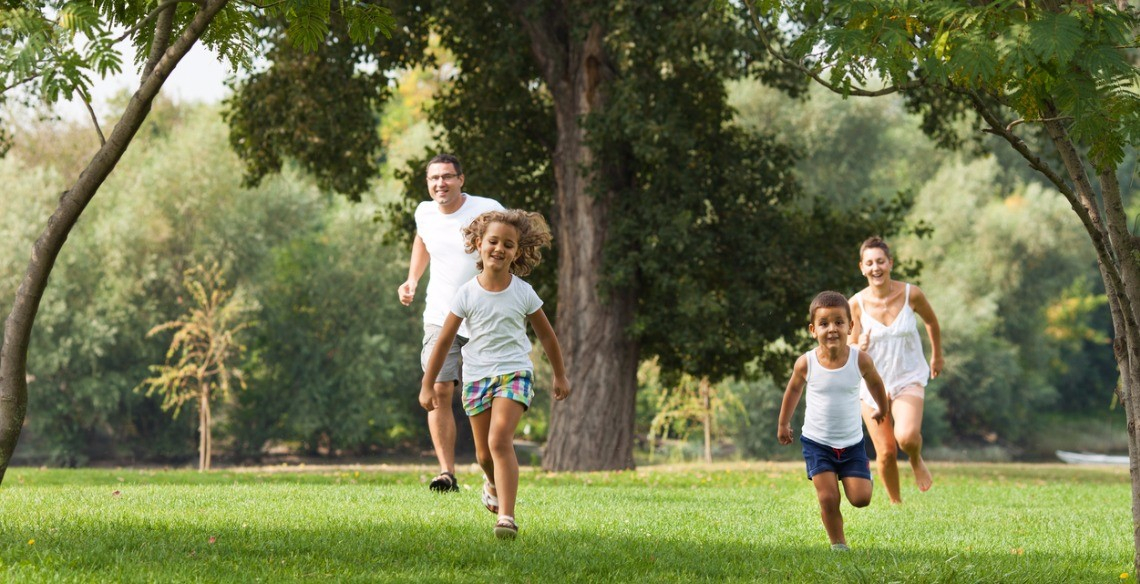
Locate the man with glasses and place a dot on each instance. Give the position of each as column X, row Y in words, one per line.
column 439, row 243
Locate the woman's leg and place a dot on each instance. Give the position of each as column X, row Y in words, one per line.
column 886, row 451
column 907, row 411
column 505, row 416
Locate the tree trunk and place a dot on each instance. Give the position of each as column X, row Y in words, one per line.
column 593, row 429
column 18, row 326
column 706, row 403
column 203, row 430
column 1118, row 258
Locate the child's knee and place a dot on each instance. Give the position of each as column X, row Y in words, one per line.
column 859, row 499
column 483, row 457
column 828, row 501
column 500, row 445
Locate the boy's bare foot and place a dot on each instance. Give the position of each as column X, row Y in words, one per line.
column 921, row 474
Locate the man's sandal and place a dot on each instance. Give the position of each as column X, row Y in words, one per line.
column 491, row 502
column 444, row 482
column 506, row 528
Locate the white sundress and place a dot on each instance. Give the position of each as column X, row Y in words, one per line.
column 896, row 351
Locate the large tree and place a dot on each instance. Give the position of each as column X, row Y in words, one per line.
column 1054, row 80
column 678, row 234
column 51, row 50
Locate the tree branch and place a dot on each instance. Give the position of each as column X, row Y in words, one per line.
column 856, row 91
column 94, row 118
column 154, row 14
column 161, row 40
column 264, row 6
column 20, row 82
column 1038, row 120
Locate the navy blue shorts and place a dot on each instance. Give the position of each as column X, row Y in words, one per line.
column 845, row 462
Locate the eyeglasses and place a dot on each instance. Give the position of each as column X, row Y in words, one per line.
column 443, row 177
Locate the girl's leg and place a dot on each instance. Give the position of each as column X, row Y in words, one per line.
column 827, row 490
column 858, row 491
column 505, row 416
column 480, row 427
column 907, row 410
column 886, row 451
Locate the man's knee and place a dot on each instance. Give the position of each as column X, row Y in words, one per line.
column 444, row 391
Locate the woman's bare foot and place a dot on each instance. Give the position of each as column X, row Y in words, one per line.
column 921, row 474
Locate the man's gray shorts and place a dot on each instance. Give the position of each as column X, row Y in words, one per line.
column 452, row 366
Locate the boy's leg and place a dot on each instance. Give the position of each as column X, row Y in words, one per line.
column 827, row 490
column 907, row 411
column 858, row 491
column 505, row 416
column 886, row 451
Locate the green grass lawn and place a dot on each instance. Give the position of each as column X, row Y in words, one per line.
column 740, row 522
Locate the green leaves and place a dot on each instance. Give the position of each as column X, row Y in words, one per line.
column 57, row 50
column 1032, row 57
column 1055, row 37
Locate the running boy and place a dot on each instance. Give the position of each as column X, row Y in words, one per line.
column 833, row 432
column 497, row 370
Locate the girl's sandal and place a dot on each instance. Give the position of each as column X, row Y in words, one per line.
column 491, row 502
column 444, row 482
column 506, row 528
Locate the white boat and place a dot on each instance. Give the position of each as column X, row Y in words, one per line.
column 1087, row 458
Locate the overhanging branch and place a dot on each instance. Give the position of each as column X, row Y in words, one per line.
column 856, row 91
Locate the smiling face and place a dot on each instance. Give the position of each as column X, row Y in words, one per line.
column 499, row 247
column 876, row 266
column 445, row 186
column 830, row 325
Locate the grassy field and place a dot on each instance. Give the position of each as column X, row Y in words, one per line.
column 738, row 523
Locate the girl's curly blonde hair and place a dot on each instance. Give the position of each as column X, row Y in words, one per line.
column 534, row 233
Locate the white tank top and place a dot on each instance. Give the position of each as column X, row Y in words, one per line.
column 833, row 413
column 896, row 350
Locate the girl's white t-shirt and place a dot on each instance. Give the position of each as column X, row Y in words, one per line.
column 497, row 322
column 833, row 412
column 450, row 266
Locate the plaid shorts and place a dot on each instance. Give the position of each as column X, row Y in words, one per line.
column 517, row 386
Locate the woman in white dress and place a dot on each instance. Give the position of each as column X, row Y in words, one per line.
column 884, row 325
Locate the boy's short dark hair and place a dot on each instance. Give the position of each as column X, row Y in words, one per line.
column 445, row 158
column 828, row 299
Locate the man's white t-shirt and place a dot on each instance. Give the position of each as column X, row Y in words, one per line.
column 497, row 321
column 449, row 266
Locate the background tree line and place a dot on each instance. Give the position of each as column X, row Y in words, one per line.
column 332, row 356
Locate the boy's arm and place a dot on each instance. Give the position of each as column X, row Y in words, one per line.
column 416, row 267
column 549, row 340
column 791, row 399
column 875, row 386
column 435, row 362
column 922, row 308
